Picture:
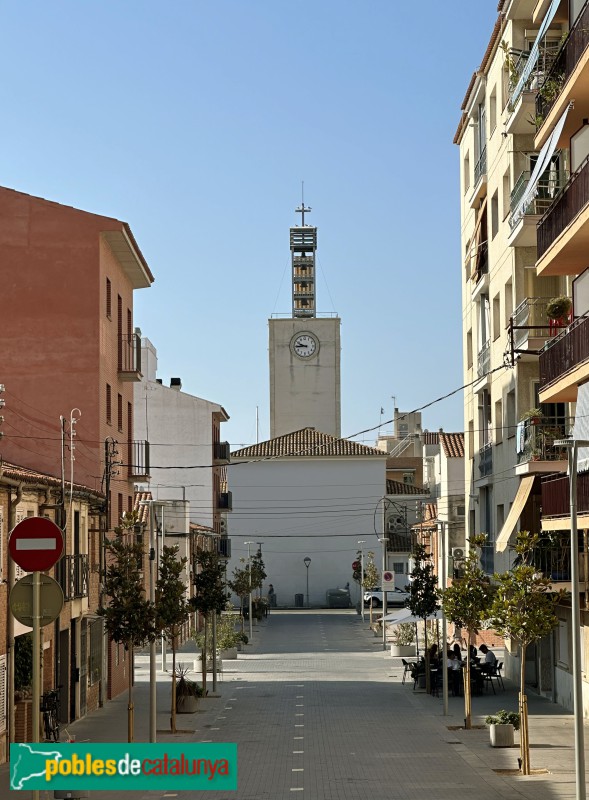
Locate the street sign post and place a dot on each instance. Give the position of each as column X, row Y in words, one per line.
column 21, row 600
column 388, row 581
column 35, row 544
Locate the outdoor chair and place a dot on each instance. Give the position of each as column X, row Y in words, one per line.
column 490, row 673
column 407, row 666
column 499, row 675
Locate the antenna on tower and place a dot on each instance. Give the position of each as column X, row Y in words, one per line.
column 301, row 209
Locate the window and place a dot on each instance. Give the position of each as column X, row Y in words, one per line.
column 459, row 511
column 120, row 508
column 398, row 568
column 496, row 317
column 466, row 172
column 506, row 196
column 510, row 414
column 120, row 411
column 108, row 299
column 469, row 350
column 500, row 517
column 494, row 214
column 108, row 404
column 493, row 110
column 471, row 438
column 508, row 307
column 408, row 478
column 498, row 421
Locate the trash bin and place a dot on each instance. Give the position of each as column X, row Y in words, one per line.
column 299, row 600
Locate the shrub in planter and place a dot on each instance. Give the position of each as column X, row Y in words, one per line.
column 188, row 692
column 559, row 308
column 502, row 724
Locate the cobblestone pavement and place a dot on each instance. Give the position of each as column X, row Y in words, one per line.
column 319, row 711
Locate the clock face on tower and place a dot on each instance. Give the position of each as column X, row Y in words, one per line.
column 304, row 345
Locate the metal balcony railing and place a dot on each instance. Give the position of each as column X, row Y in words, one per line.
column 538, row 441
column 225, row 501
column 565, row 207
column 129, row 356
column 480, row 168
column 221, row 451
column 518, row 60
column 71, row 572
column 556, row 495
column 486, row 459
column 564, row 64
column 484, row 360
column 550, row 183
column 566, row 351
column 224, row 547
column 530, row 320
column 138, row 459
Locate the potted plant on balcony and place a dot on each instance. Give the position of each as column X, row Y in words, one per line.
column 502, row 725
column 559, row 308
column 533, row 416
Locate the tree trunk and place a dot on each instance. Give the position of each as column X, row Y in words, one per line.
column 467, row 686
column 524, row 743
column 205, row 653
column 173, row 716
column 130, row 707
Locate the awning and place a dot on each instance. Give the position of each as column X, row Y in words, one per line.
column 406, row 616
column 535, row 51
column 542, row 164
column 581, row 426
column 515, row 512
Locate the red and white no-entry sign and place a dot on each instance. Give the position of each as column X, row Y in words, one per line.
column 35, row 544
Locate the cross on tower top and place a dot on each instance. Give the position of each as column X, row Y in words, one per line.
column 301, row 210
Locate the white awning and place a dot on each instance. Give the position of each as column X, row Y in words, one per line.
column 406, row 616
column 581, row 427
column 515, row 512
column 535, row 51
column 542, row 164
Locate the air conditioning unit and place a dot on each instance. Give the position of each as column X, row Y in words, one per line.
column 458, row 553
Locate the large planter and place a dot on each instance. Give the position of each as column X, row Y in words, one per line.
column 229, row 653
column 186, row 704
column 502, row 735
column 402, row 650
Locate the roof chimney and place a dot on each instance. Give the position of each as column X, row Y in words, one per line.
column 175, row 383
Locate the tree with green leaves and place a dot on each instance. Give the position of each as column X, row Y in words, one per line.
column 129, row 617
column 240, row 585
column 371, row 576
column 423, row 597
column 258, row 571
column 172, row 608
column 210, row 595
column 523, row 611
column 467, row 603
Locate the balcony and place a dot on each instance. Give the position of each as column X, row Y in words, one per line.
column 225, row 501
column 221, row 452
column 138, row 460
column 564, row 65
column 556, row 498
column 522, row 108
column 486, row 460
column 129, row 357
column 523, row 229
column 480, row 179
column 564, row 363
column 71, row 572
column 530, row 326
column 569, row 209
column 552, row 557
column 484, row 360
column 223, row 547
column 538, row 453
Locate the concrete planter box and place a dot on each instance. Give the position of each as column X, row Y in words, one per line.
column 186, row 704
column 502, row 735
column 402, row 650
column 229, row 653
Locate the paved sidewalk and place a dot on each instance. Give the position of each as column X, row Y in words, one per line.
column 317, row 707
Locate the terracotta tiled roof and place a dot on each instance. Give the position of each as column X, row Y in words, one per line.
column 16, row 473
column 398, row 487
column 142, row 511
column 430, row 512
column 306, row 442
column 196, row 528
column 453, row 444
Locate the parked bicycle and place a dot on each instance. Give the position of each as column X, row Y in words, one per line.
column 50, row 709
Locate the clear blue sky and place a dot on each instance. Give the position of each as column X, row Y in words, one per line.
column 196, row 122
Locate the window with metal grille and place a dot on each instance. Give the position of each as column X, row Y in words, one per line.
column 120, row 412
column 108, row 299
column 108, row 404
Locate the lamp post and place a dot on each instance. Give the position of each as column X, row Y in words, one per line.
column 249, row 572
column 573, row 452
column 307, row 562
column 443, row 577
column 361, row 542
column 384, row 541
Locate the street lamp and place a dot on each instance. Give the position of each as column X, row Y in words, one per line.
column 361, row 542
column 573, row 452
column 384, row 541
column 306, row 562
column 249, row 572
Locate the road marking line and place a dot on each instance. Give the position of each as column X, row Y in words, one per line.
column 298, row 769
column 298, row 752
column 298, row 789
column 298, row 737
column 299, row 726
column 299, row 705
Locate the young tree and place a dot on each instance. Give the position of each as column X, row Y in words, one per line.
column 523, row 611
column 467, row 603
column 172, row 608
column 129, row 617
column 258, row 571
column 240, row 585
column 423, row 598
column 371, row 574
column 209, row 595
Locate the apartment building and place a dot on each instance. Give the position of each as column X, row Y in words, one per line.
column 524, row 139
column 71, row 353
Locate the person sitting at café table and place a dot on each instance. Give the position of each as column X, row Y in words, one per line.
column 490, row 657
column 433, row 655
column 455, row 667
column 457, row 651
column 472, row 651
